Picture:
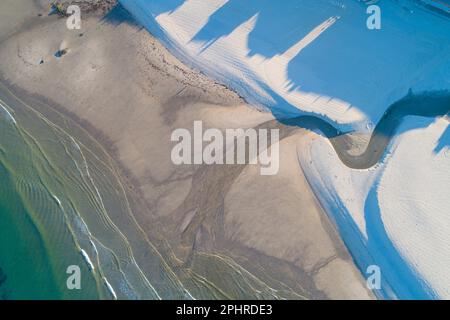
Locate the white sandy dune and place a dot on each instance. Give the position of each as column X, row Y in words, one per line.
column 220, row 231
column 318, row 58
column 297, row 57
column 397, row 212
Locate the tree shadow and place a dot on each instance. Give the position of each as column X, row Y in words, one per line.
column 156, row 7
column 426, row 104
column 444, row 141
column 349, row 61
column 337, row 64
column 277, row 27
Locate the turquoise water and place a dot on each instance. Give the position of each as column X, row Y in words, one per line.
column 62, row 204
column 59, row 195
column 27, row 271
column 36, row 245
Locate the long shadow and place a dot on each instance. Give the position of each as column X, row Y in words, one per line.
column 398, row 279
column 269, row 39
column 441, row 7
column 341, row 62
column 118, row 15
column 275, row 31
column 395, row 271
column 397, row 276
column 350, row 233
column 156, row 7
column 444, row 141
column 277, row 27
column 145, row 12
column 427, row 104
column 356, row 64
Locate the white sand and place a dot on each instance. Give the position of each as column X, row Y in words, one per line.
column 132, row 93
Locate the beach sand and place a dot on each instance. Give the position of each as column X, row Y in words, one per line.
column 224, row 230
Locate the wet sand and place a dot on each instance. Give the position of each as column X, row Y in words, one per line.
column 224, row 231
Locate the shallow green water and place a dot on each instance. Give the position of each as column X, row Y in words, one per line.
column 62, row 204
column 36, row 245
column 27, row 272
column 57, row 198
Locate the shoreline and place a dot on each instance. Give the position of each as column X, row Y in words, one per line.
column 304, row 275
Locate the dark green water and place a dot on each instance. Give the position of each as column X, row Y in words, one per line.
column 36, row 243
column 27, row 271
